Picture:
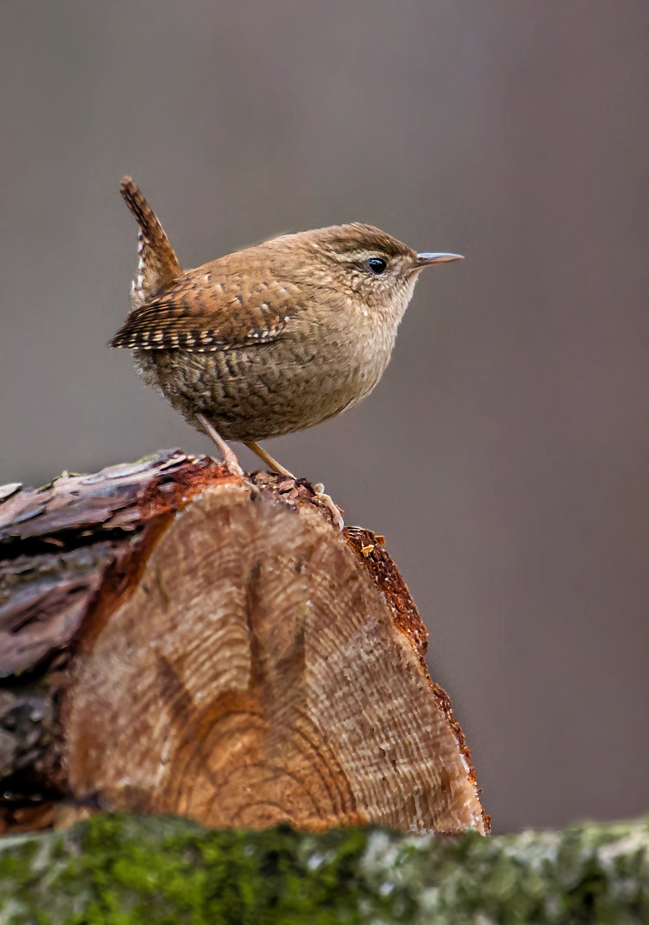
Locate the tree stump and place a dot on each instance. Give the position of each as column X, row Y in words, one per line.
column 173, row 642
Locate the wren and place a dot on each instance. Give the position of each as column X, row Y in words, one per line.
column 271, row 339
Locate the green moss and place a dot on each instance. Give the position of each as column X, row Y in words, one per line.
column 132, row 871
column 126, row 871
column 204, row 878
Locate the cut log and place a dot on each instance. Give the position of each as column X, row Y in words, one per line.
column 173, row 642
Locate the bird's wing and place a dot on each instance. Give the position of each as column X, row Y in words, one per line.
column 205, row 311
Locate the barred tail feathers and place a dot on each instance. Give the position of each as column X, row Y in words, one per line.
column 158, row 265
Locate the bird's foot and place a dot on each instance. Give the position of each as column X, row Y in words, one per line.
column 231, row 462
column 228, row 456
column 330, row 505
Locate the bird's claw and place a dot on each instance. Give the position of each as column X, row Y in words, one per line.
column 330, row 505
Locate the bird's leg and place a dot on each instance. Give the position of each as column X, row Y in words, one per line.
column 229, row 456
column 268, row 459
column 319, row 489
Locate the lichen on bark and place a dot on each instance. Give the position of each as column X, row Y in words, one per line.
column 159, row 871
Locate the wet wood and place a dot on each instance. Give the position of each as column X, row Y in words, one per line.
column 172, row 642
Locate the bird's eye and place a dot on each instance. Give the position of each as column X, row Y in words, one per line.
column 376, row 265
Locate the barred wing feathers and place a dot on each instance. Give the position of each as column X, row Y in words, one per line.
column 198, row 315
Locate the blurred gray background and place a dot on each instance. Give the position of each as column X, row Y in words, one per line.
column 504, row 454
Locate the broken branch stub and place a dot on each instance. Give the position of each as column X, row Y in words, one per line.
column 242, row 663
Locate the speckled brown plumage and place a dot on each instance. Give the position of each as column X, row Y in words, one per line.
column 272, row 339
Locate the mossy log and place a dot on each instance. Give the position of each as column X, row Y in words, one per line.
column 161, row 871
column 176, row 640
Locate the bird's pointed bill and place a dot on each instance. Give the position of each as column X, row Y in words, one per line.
column 429, row 260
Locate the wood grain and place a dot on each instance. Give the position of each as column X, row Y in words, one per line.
column 242, row 663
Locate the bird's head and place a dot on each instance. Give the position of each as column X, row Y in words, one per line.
column 366, row 261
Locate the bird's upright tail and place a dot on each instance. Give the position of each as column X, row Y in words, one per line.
column 157, row 265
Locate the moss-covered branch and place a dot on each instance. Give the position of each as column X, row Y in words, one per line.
column 130, row 871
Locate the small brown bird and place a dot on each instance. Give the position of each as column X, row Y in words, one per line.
column 272, row 339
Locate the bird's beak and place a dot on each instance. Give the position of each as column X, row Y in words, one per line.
column 429, row 260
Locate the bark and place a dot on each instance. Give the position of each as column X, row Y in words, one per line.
column 133, row 870
column 173, row 642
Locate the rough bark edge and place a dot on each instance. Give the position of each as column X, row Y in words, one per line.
column 43, row 531
column 369, row 548
column 131, row 870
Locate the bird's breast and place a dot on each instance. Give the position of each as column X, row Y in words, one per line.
column 310, row 373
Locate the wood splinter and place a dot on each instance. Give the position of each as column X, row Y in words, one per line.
column 170, row 645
